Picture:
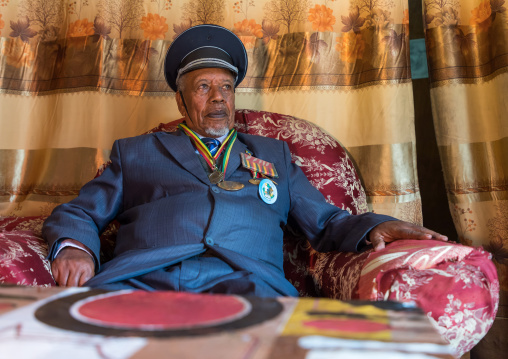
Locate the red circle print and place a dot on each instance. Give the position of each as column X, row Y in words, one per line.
column 160, row 310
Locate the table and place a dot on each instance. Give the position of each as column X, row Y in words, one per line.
column 83, row 323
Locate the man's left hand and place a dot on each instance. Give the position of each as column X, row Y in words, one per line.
column 390, row 231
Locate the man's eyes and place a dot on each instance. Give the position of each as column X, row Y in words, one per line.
column 203, row 88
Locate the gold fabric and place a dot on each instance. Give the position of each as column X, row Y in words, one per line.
column 75, row 76
column 467, row 43
column 467, row 40
column 484, row 169
column 44, row 176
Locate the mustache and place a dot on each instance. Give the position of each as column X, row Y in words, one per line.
column 220, row 112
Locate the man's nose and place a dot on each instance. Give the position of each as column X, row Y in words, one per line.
column 216, row 94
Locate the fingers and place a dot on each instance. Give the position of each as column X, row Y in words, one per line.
column 390, row 231
column 378, row 245
column 411, row 233
column 58, row 274
column 85, row 276
column 72, row 267
column 71, row 277
column 438, row 236
column 393, row 230
column 64, row 276
column 422, row 233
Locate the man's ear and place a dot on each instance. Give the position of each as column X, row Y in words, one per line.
column 179, row 103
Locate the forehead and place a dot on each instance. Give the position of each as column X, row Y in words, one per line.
column 209, row 74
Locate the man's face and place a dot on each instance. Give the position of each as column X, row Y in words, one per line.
column 210, row 98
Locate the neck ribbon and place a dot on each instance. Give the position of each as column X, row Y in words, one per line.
column 203, row 150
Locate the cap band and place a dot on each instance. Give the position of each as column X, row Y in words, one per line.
column 205, row 57
column 205, row 63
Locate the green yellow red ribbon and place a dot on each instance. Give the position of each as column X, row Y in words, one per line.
column 257, row 165
column 205, row 152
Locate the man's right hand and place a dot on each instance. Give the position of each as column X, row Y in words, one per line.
column 72, row 267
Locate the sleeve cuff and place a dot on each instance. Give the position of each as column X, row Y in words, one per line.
column 65, row 244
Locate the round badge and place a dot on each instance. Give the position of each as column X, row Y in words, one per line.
column 267, row 191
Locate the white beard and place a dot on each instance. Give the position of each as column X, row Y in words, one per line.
column 217, row 132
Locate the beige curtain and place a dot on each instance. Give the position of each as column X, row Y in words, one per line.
column 76, row 75
column 467, row 46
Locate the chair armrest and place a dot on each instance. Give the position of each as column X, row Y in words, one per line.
column 337, row 274
column 331, row 275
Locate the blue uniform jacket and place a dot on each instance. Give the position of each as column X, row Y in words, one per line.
column 169, row 211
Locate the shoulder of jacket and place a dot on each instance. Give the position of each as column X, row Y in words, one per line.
column 143, row 138
column 248, row 138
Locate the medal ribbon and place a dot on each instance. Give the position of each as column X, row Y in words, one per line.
column 205, row 152
column 257, row 165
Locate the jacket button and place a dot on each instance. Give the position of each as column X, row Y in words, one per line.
column 215, row 189
column 209, row 241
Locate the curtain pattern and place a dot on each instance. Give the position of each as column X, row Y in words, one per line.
column 467, row 44
column 118, row 46
column 76, row 75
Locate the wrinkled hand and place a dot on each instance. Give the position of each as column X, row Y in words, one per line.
column 390, row 231
column 72, row 267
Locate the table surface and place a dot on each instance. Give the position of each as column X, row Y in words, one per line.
column 311, row 328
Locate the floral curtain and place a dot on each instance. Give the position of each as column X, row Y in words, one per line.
column 467, row 46
column 76, row 75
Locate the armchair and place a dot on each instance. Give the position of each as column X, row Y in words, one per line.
column 457, row 286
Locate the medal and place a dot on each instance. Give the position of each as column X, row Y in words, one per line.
column 254, row 181
column 262, row 175
column 231, row 185
column 267, row 191
column 216, row 176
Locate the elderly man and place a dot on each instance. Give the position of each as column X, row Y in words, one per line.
column 197, row 218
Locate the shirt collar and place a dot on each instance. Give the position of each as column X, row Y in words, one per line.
column 221, row 138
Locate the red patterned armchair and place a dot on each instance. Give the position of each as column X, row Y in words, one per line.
column 457, row 286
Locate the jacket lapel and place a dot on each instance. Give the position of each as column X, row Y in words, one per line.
column 180, row 147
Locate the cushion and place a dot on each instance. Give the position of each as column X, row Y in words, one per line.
column 23, row 252
column 457, row 286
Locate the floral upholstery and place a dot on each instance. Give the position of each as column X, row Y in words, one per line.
column 23, row 252
column 455, row 285
column 418, row 271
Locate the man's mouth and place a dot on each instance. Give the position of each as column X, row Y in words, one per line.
column 217, row 114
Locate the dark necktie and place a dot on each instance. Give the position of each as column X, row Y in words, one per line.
column 213, row 144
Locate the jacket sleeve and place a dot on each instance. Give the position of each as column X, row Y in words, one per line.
column 327, row 227
column 86, row 216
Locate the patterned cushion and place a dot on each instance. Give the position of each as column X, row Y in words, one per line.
column 457, row 286
column 23, row 252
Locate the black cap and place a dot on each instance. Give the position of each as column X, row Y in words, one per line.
column 205, row 46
